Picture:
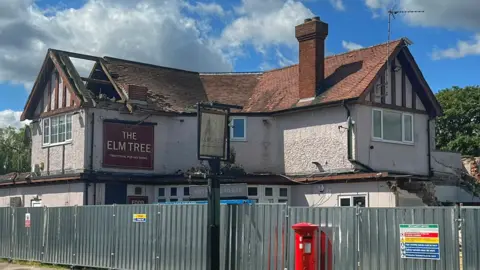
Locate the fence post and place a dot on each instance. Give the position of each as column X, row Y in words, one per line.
column 75, row 238
column 358, row 219
column 44, row 232
column 460, row 228
column 12, row 230
column 286, row 236
column 114, row 237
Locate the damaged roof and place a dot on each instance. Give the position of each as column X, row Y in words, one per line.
column 347, row 76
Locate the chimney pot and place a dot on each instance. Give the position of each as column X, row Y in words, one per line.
column 307, row 20
column 311, row 37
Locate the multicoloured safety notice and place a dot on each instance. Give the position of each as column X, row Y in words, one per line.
column 419, row 241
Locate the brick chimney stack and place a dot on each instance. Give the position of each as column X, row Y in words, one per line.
column 311, row 37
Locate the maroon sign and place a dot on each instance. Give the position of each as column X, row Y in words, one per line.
column 137, row 200
column 128, row 145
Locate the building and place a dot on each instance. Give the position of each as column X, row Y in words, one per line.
column 330, row 131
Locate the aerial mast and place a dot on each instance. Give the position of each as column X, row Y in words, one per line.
column 391, row 14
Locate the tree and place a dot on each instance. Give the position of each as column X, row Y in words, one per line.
column 459, row 128
column 14, row 151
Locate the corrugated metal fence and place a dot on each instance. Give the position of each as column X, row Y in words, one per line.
column 259, row 236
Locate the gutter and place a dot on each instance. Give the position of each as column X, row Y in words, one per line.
column 349, row 141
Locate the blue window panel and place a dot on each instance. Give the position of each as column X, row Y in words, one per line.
column 238, row 128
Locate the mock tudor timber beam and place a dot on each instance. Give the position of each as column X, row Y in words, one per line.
column 79, row 55
column 89, row 80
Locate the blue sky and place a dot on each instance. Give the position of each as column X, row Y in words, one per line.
column 224, row 35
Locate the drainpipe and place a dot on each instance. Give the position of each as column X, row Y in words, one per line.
column 349, row 141
column 429, row 155
column 91, row 161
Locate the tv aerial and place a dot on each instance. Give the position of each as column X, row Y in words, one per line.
column 392, row 12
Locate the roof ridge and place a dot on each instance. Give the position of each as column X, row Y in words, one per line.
column 232, row 73
column 147, row 64
column 366, row 48
column 280, row 68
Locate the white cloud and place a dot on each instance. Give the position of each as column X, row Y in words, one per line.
column 150, row 31
column 350, row 46
column 463, row 48
column 206, row 8
column 264, row 24
column 11, row 118
column 448, row 14
column 443, row 13
column 338, row 4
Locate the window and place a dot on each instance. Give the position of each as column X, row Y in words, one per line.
column 238, row 128
column 138, row 191
column 57, row 129
column 268, row 194
column 354, row 200
column 252, row 191
column 173, row 191
column 161, row 192
column 392, row 126
column 186, row 191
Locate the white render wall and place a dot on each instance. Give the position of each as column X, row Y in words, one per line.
column 314, row 136
column 51, row 156
column 378, row 194
column 287, row 143
column 175, row 143
column 51, row 195
column 387, row 156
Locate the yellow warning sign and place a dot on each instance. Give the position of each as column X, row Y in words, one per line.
column 139, row 217
column 420, row 240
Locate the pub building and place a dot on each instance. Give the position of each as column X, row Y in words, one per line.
column 126, row 133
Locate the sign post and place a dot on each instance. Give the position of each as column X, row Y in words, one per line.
column 213, row 145
column 419, row 241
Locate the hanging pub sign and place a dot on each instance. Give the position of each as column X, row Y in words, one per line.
column 128, row 145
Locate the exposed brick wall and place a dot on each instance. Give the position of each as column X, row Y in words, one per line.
column 311, row 37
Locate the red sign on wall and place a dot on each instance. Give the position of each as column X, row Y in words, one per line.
column 128, row 145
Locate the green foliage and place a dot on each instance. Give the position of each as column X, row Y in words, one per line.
column 14, row 151
column 459, row 128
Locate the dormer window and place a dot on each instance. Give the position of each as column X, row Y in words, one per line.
column 392, row 126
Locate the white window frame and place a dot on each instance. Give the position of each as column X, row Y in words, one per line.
column 66, row 141
column 238, row 139
column 381, row 127
column 180, row 197
column 275, row 198
column 351, row 196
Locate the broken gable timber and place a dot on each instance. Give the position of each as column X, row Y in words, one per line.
column 404, row 89
column 51, row 93
column 60, row 88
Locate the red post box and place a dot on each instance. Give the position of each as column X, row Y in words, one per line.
column 305, row 246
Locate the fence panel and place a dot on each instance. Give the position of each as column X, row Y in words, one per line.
column 470, row 238
column 339, row 228
column 380, row 237
column 27, row 242
column 182, row 237
column 257, row 239
column 60, row 239
column 5, row 232
column 94, row 236
column 135, row 233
